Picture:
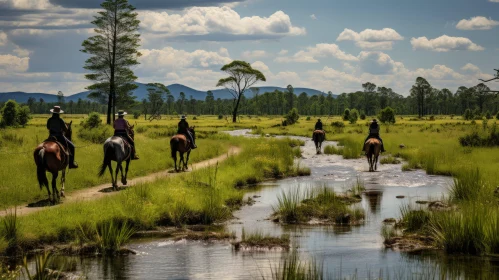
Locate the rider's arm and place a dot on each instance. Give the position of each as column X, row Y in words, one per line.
column 64, row 127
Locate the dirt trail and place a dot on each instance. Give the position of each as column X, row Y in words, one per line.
column 100, row 191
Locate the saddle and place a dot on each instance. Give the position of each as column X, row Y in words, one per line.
column 125, row 141
column 318, row 131
column 63, row 148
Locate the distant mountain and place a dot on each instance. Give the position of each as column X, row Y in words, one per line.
column 141, row 93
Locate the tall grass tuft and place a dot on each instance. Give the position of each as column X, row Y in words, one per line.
column 10, row 229
column 111, row 236
column 287, row 205
column 414, row 220
column 213, row 209
column 292, row 268
column 467, row 185
column 42, row 271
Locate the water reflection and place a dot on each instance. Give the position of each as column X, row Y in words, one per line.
column 373, row 198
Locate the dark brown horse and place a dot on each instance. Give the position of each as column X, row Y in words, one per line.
column 319, row 136
column 372, row 148
column 50, row 156
column 180, row 144
column 117, row 149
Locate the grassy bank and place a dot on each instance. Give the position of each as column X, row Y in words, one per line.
column 200, row 197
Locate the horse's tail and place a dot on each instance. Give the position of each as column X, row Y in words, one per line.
column 174, row 145
column 108, row 153
column 371, row 149
column 40, row 168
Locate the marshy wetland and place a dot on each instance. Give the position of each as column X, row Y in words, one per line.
column 202, row 213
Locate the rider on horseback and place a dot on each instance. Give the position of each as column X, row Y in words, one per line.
column 318, row 126
column 122, row 129
column 183, row 128
column 57, row 127
column 374, row 133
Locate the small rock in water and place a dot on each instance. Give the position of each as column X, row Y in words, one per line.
column 497, row 191
column 401, row 146
column 422, row 202
column 389, row 220
column 343, row 219
column 257, row 196
column 400, row 196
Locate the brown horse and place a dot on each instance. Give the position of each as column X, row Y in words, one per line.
column 116, row 149
column 180, row 144
column 50, row 156
column 372, row 148
column 319, row 136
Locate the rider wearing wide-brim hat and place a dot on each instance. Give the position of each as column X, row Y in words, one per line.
column 183, row 128
column 123, row 129
column 319, row 126
column 374, row 133
column 57, row 127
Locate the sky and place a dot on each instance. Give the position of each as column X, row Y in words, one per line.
column 329, row 45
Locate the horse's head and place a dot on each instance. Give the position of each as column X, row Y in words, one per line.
column 69, row 132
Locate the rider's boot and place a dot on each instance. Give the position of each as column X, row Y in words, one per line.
column 383, row 148
column 134, row 154
column 72, row 163
column 194, row 146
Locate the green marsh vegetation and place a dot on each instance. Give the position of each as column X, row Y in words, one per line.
column 320, row 203
column 258, row 239
column 204, row 196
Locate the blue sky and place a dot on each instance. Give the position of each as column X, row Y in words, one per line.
column 329, row 45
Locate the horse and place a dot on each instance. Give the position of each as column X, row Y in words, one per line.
column 117, row 149
column 319, row 136
column 180, row 144
column 372, row 148
column 51, row 156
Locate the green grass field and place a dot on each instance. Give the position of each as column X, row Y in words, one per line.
column 197, row 197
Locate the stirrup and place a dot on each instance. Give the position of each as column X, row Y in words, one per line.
column 73, row 165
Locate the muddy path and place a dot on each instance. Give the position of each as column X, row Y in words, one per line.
column 100, row 191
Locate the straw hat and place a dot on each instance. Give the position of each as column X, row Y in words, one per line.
column 121, row 113
column 57, row 110
column 183, row 117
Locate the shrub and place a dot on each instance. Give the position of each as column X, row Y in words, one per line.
column 308, row 118
column 136, row 115
column 387, row 115
column 338, row 124
column 23, row 115
column 95, row 135
column 292, row 117
column 220, row 116
column 354, row 116
column 93, row 121
column 346, row 115
column 488, row 116
column 468, row 115
column 432, row 118
column 9, row 113
column 362, row 116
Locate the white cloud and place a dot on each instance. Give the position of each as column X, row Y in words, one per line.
column 283, row 52
column 494, row 1
column 371, row 39
column 13, row 63
column 216, row 22
column 250, row 55
column 476, row 23
column 445, row 43
column 312, row 16
column 3, row 38
column 378, row 63
column 470, row 68
column 311, row 54
column 26, row 4
column 262, row 67
column 167, row 59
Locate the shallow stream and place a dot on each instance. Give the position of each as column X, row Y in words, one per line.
column 343, row 251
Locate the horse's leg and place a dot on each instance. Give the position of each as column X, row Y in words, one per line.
column 123, row 179
column 115, row 184
column 175, row 161
column 182, row 161
column 187, row 160
column 63, row 182
column 55, row 193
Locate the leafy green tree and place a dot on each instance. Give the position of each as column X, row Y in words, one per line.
column 468, row 115
column 421, row 90
column 292, row 117
column 241, row 77
column 93, row 121
column 113, row 51
column 354, row 116
column 60, row 97
column 9, row 113
column 346, row 114
column 387, row 115
column 156, row 96
column 23, row 115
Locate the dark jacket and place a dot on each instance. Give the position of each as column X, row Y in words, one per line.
column 56, row 125
column 183, row 127
column 318, row 126
column 374, row 129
